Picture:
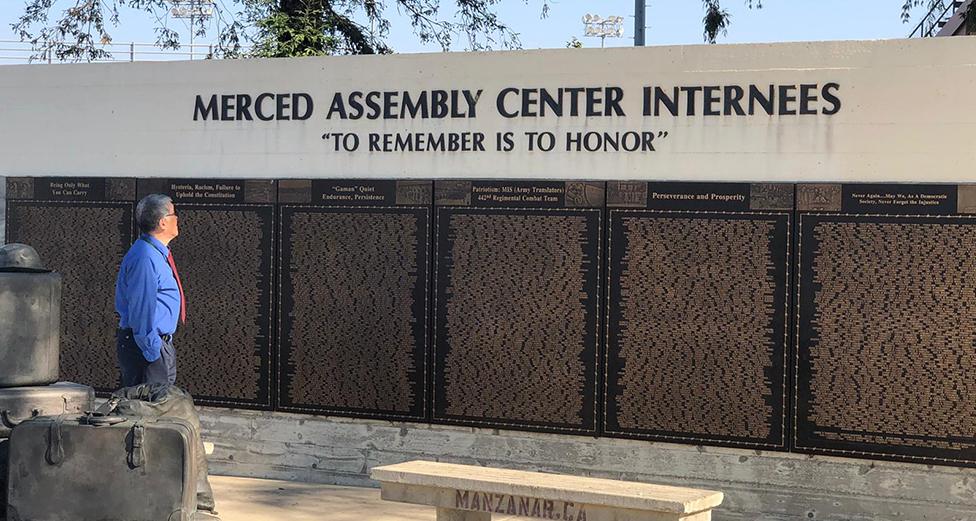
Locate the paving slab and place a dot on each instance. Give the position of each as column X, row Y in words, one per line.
column 249, row 499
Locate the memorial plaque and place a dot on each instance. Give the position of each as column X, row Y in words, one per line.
column 353, row 318
column 224, row 256
column 517, row 281
column 81, row 228
column 885, row 326
column 697, row 312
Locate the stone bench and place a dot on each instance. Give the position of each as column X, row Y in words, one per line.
column 469, row 493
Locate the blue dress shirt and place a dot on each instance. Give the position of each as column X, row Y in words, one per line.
column 147, row 297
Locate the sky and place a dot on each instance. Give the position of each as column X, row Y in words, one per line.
column 669, row 22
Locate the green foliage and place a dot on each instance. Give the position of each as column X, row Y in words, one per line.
column 83, row 28
column 298, row 34
column 306, row 28
column 716, row 20
column 277, row 28
column 574, row 43
column 930, row 5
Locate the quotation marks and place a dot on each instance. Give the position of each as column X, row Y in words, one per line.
column 573, row 141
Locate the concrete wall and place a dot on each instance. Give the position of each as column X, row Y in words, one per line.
column 899, row 118
column 759, row 485
column 900, row 121
column 3, row 207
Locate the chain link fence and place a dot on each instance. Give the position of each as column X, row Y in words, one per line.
column 17, row 52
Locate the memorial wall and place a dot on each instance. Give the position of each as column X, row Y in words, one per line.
column 885, row 322
column 820, row 318
column 81, row 227
column 708, row 245
column 225, row 258
column 353, row 319
column 698, row 284
column 516, row 305
column 789, row 112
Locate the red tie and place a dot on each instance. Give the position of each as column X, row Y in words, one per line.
column 176, row 274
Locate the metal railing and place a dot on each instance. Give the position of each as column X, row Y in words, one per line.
column 931, row 22
column 14, row 51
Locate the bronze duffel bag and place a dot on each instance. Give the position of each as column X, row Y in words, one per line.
column 18, row 404
column 103, row 468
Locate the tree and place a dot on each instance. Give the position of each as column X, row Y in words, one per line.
column 274, row 27
column 717, row 20
column 293, row 28
column 934, row 8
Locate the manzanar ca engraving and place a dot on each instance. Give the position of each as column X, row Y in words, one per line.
column 521, row 506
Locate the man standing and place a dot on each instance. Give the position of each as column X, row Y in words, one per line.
column 149, row 297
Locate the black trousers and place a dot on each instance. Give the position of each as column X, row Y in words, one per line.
column 136, row 370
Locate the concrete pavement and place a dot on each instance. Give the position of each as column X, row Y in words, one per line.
column 247, row 499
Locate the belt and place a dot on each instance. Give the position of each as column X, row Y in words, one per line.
column 128, row 331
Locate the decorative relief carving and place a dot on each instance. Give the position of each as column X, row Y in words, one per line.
column 259, row 191
column 585, row 194
column 452, row 193
column 120, row 189
column 418, row 193
column 771, row 196
column 295, row 191
column 627, row 194
column 819, row 197
column 20, row 188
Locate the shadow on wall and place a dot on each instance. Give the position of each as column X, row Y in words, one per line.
column 3, row 208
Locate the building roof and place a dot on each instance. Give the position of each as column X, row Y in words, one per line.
column 956, row 25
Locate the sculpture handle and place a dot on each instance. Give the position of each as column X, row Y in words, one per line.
column 9, row 422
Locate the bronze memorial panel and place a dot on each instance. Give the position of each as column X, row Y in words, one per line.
column 81, row 228
column 224, row 256
column 517, row 279
column 885, row 326
column 697, row 312
column 353, row 319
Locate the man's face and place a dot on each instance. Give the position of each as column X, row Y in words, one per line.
column 169, row 225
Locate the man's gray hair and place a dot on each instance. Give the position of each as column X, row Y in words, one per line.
column 150, row 210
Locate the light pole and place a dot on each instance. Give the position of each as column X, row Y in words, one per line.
column 192, row 9
column 611, row 26
column 640, row 23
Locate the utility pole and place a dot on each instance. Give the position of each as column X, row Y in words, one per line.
column 640, row 15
